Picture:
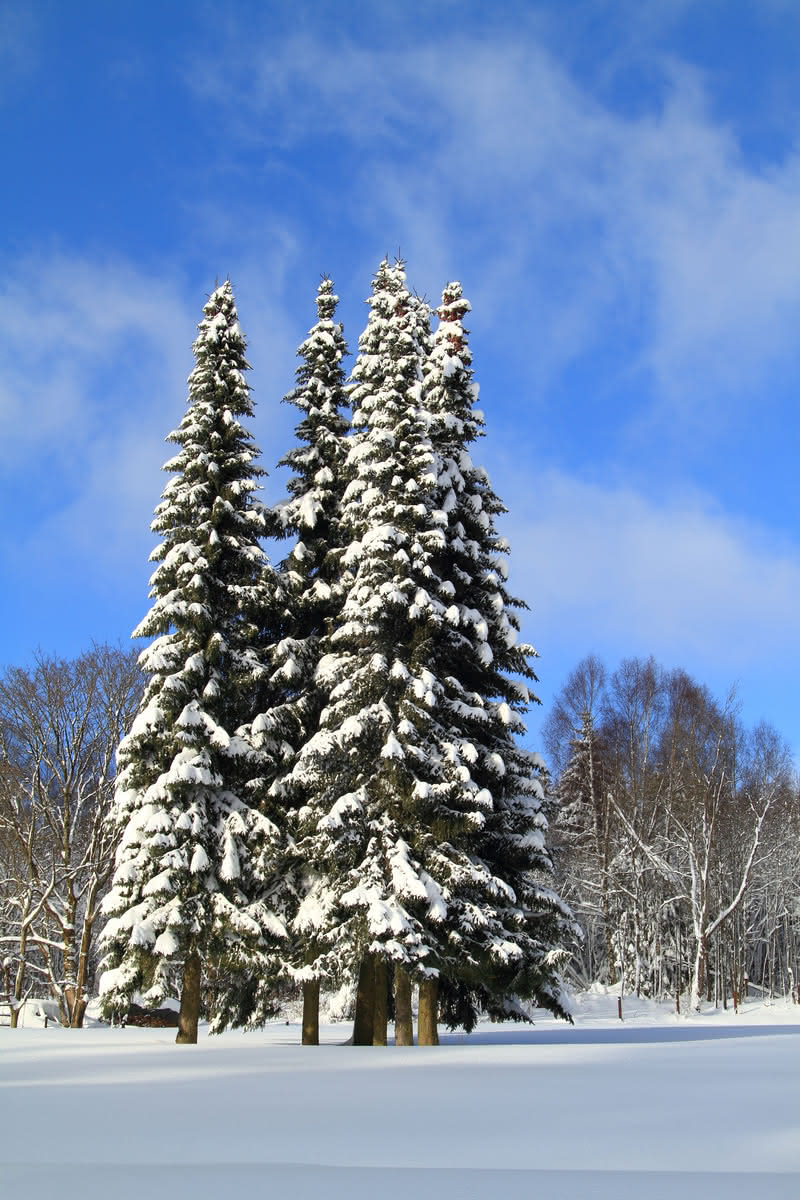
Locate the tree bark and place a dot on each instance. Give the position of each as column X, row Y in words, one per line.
column 19, row 982
column 71, row 993
column 365, row 1003
column 427, row 1017
column 189, row 1013
column 611, row 969
column 403, row 1020
column 381, row 1010
column 311, row 1012
column 698, row 981
column 79, row 1009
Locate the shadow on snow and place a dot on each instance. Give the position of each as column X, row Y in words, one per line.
column 624, row 1035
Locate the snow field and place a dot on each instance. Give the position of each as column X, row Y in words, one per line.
column 657, row 1105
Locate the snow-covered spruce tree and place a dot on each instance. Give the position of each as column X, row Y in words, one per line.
column 195, row 870
column 506, row 926
column 361, row 775
column 312, row 577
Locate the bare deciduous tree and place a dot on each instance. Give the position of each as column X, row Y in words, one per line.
column 677, row 818
column 60, row 724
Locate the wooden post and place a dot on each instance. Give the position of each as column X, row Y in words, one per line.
column 619, row 1007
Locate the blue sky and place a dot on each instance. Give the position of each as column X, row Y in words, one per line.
column 617, row 186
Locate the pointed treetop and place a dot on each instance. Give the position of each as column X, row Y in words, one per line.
column 221, row 297
column 326, row 300
column 454, row 306
column 390, row 277
column 220, row 324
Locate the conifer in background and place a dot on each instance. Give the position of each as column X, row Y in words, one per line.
column 583, row 831
column 196, row 870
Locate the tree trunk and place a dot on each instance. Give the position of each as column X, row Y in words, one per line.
column 381, row 1011
column 71, row 994
column 189, row 1013
column 403, row 1020
column 311, row 1012
column 698, row 982
column 427, row 1034
column 365, row 1003
column 70, row 1003
column 79, row 1009
column 15, row 999
column 611, row 971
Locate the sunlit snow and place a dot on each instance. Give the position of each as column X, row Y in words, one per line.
column 655, row 1106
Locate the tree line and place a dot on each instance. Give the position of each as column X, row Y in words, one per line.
column 678, row 836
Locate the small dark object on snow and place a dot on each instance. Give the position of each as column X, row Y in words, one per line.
column 151, row 1018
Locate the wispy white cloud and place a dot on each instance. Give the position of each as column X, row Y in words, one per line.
column 574, row 220
column 87, row 346
column 96, row 355
column 489, row 153
column 644, row 233
column 607, row 568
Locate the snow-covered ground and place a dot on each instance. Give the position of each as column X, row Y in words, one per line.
column 656, row 1106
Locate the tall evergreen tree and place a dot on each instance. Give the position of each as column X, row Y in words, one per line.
column 359, row 773
column 195, row 872
column 311, row 572
column 506, row 925
column 313, row 581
